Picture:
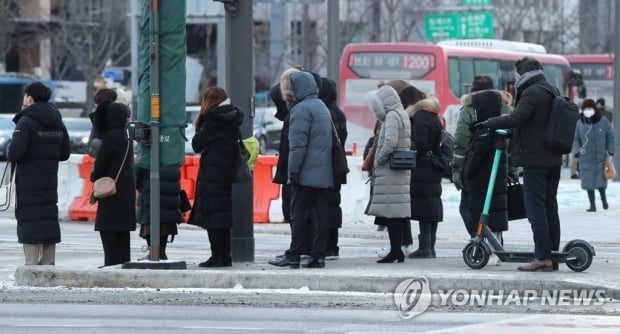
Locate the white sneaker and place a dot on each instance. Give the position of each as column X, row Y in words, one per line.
column 408, row 249
column 494, row 260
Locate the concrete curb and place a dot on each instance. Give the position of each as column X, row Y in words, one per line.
column 315, row 280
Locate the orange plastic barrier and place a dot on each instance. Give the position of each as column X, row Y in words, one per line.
column 80, row 209
column 264, row 189
column 189, row 174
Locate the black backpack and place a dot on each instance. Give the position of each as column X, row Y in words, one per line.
column 442, row 157
column 561, row 124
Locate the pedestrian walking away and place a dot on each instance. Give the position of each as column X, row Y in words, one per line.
column 40, row 140
column 594, row 141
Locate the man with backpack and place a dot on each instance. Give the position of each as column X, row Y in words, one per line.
column 540, row 161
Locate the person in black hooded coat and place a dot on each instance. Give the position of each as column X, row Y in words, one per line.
column 217, row 131
column 39, row 142
column 329, row 95
column 170, row 206
column 116, row 215
column 479, row 162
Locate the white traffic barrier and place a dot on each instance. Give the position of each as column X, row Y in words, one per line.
column 70, row 184
column 354, row 195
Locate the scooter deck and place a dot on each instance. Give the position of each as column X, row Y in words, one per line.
column 505, row 256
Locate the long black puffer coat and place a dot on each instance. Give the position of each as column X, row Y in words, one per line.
column 479, row 162
column 116, row 213
column 329, row 95
column 216, row 140
column 169, row 200
column 39, row 142
column 425, row 188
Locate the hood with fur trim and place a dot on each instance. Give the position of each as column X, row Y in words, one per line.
column 285, row 85
column 383, row 100
column 466, row 99
column 430, row 104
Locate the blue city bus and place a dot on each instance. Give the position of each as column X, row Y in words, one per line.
column 12, row 91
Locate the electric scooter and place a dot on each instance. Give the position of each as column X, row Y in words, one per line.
column 577, row 254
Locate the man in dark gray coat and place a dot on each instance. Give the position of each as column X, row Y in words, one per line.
column 309, row 168
column 541, row 165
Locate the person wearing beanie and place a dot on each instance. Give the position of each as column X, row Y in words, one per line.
column 541, row 164
column 594, row 140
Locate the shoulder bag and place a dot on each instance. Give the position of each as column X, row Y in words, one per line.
column 403, row 160
column 106, row 186
column 241, row 172
column 515, row 202
column 610, row 169
column 340, row 166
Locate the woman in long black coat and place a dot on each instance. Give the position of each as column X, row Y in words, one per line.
column 328, row 94
column 217, row 131
column 116, row 215
column 426, row 205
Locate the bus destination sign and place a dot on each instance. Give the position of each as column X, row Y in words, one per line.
column 411, row 65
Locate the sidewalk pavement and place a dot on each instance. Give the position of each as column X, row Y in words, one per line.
column 77, row 262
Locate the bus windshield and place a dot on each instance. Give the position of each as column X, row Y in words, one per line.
column 443, row 71
column 598, row 75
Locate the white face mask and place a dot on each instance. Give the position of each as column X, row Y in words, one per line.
column 588, row 112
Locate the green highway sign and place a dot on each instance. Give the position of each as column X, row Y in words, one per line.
column 476, row 2
column 458, row 25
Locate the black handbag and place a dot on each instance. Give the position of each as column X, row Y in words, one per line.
column 403, row 159
column 242, row 172
column 515, row 202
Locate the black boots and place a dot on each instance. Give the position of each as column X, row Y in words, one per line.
column 591, row 198
column 395, row 232
column 220, row 249
column 426, row 248
column 603, row 198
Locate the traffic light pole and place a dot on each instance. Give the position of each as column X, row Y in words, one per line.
column 240, row 87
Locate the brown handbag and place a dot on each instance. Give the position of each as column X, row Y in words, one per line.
column 610, row 169
column 106, row 186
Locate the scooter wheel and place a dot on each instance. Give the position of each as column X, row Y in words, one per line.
column 475, row 256
column 579, row 257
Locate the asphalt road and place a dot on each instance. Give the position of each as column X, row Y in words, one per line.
column 72, row 318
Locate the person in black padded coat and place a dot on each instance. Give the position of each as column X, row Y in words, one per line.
column 116, row 215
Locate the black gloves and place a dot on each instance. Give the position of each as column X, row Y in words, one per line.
column 483, row 124
column 457, row 180
column 294, row 178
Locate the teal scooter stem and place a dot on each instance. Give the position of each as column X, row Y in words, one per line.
column 577, row 254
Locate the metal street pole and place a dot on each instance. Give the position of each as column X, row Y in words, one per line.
column 616, row 119
column 240, row 87
column 333, row 39
column 154, row 124
column 135, row 35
